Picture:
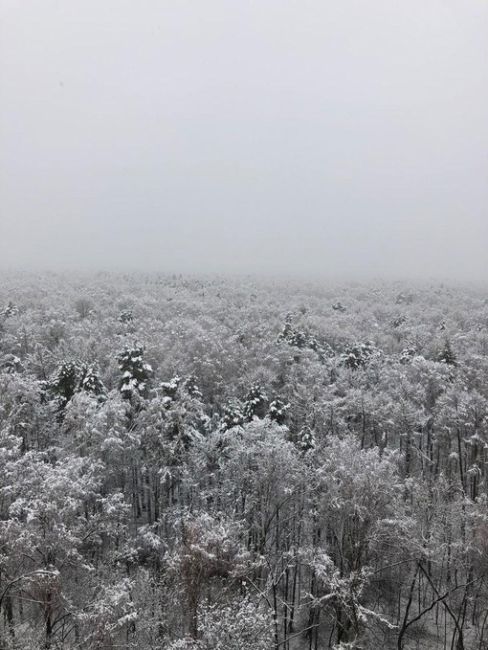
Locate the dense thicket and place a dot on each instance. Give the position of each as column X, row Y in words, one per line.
column 226, row 465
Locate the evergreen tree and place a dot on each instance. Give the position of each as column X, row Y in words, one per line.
column 357, row 356
column 65, row 382
column 170, row 389
column 135, row 373
column 277, row 410
column 90, row 382
column 191, row 387
column 232, row 417
column 10, row 310
column 446, row 355
column 126, row 316
column 398, row 321
column 255, row 403
column 406, row 355
column 11, row 363
column 305, row 440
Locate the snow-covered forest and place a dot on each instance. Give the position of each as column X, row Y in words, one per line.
column 232, row 464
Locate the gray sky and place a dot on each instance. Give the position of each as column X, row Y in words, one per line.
column 326, row 136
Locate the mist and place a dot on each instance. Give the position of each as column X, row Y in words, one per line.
column 311, row 138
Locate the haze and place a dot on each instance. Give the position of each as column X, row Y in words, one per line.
column 302, row 137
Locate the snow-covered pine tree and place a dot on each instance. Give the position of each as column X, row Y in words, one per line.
column 11, row 363
column 135, row 372
column 398, row 321
column 305, row 440
column 255, row 403
column 90, row 382
column 65, row 382
column 406, row 355
column 126, row 316
column 357, row 355
column 277, row 410
column 10, row 310
column 446, row 354
column 191, row 387
column 232, row 417
column 170, row 389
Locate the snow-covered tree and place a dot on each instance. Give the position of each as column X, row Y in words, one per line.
column 136, row 373
column 90, row 381
column 233, row 416
column 65, row 382
column 255, row 403
column 249, row 492
column 278, row 410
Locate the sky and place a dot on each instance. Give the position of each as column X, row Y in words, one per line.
column 301, row 137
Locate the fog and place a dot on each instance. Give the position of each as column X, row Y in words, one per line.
column 302, row 137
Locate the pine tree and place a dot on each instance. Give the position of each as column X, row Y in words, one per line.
column 11, row 363
column 232, row 417
column 191, row 387
column 65, row 382
column 398, row 321
column 446, row 355
column 170, row 389
column 357, row 356
column 255, row 403
column 135, row 373
column 90, row 382
column 305, row 441
column 126, row 316
column 300, row 339
column 10, row 310
column 277, row 410
column 406, row 355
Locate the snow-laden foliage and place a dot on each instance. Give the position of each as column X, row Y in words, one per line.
column 211, row 464
column 135, row 372
column 241, row 623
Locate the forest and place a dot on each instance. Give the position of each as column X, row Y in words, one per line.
column 234, row 463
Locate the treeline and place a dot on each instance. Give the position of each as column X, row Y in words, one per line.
column 205, row 464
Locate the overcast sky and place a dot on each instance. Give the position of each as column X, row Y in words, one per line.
column 308, row 136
